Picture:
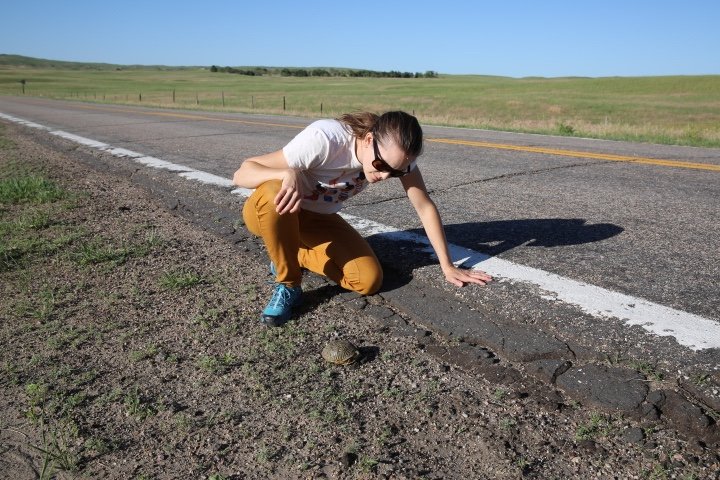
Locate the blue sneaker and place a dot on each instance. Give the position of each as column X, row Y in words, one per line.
column 280, row 306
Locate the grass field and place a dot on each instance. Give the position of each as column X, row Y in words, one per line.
column 682, row 110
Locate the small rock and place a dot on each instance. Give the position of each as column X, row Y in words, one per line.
column 688, row 417
column 657, row 398
column 696, row 446
column 422, row 336
column 606, row 387
column 588, row 445
column 649, row 412
column 548, row 370
column 633, row 435
column 348, row 459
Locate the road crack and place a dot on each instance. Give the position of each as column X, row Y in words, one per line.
column 432, row 191
column 516, row 174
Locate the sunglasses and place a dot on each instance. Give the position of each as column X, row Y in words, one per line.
column 382, row 166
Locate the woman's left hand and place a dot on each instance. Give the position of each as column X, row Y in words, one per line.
column 460, row 276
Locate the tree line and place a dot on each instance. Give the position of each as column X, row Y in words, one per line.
column 322, row 72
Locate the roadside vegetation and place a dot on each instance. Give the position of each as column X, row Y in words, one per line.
column 682, row 110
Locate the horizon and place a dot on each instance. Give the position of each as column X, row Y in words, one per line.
column 150, row 66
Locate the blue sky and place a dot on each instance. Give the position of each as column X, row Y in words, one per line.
column 547, row 38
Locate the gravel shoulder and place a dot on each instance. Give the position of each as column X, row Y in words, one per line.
column 132, row 349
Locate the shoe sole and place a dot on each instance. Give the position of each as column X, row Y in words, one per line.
column 273, row 321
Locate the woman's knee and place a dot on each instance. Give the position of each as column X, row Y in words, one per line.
column 366, row 276
column 260, row 202
column 372, row 284
column 265, row 194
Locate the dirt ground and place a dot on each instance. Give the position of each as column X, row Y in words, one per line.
column 131, row 348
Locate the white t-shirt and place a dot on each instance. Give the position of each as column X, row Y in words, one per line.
column 325, row 153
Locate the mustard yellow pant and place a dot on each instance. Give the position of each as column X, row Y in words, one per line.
column 322, row 243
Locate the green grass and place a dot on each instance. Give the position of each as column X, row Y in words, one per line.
column 367, row 464
column 137, row 406
column 598, row 425
column 180, row 279
column 98, row 251
column 95, row 252
column 23, row 239
column 27, row 203
column 148, row 352
column 50, row 413
column 30, row 230
column 673, row 109
column 30, row 189
column 647, row 369
column 30, row 200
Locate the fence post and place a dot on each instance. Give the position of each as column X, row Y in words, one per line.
column 197, row 99
column 320, row 108
column 283, row 103
column 252, row 101
column 223, row 99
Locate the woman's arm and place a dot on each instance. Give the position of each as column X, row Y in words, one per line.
column 272, row 166
column 257, row 170
column 430, row 218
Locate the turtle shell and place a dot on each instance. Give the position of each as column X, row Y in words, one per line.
column 340, row 352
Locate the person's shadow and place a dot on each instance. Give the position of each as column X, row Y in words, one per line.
column 400, row 256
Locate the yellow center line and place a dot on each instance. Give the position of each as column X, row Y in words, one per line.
column 501, row 146
column 574, row 153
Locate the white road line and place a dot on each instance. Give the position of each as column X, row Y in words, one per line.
column 692, row 331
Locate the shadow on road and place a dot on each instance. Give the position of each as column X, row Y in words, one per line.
column 491, row 238
column 494, row 238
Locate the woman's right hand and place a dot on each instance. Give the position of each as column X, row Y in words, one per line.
column 288, row 198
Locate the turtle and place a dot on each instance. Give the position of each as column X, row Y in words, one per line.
column 340, row 352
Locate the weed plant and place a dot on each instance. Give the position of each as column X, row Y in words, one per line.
column 29, row 189
column 96, row 251
column 138, row 407
column 30, row 198
column 598, row 425
column 180, row 279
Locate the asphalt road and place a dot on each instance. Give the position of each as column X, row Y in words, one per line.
column 649, row 230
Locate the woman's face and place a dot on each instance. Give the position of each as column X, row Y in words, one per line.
column 381, row 161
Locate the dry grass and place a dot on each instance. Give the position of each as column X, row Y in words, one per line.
column 674, row 110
